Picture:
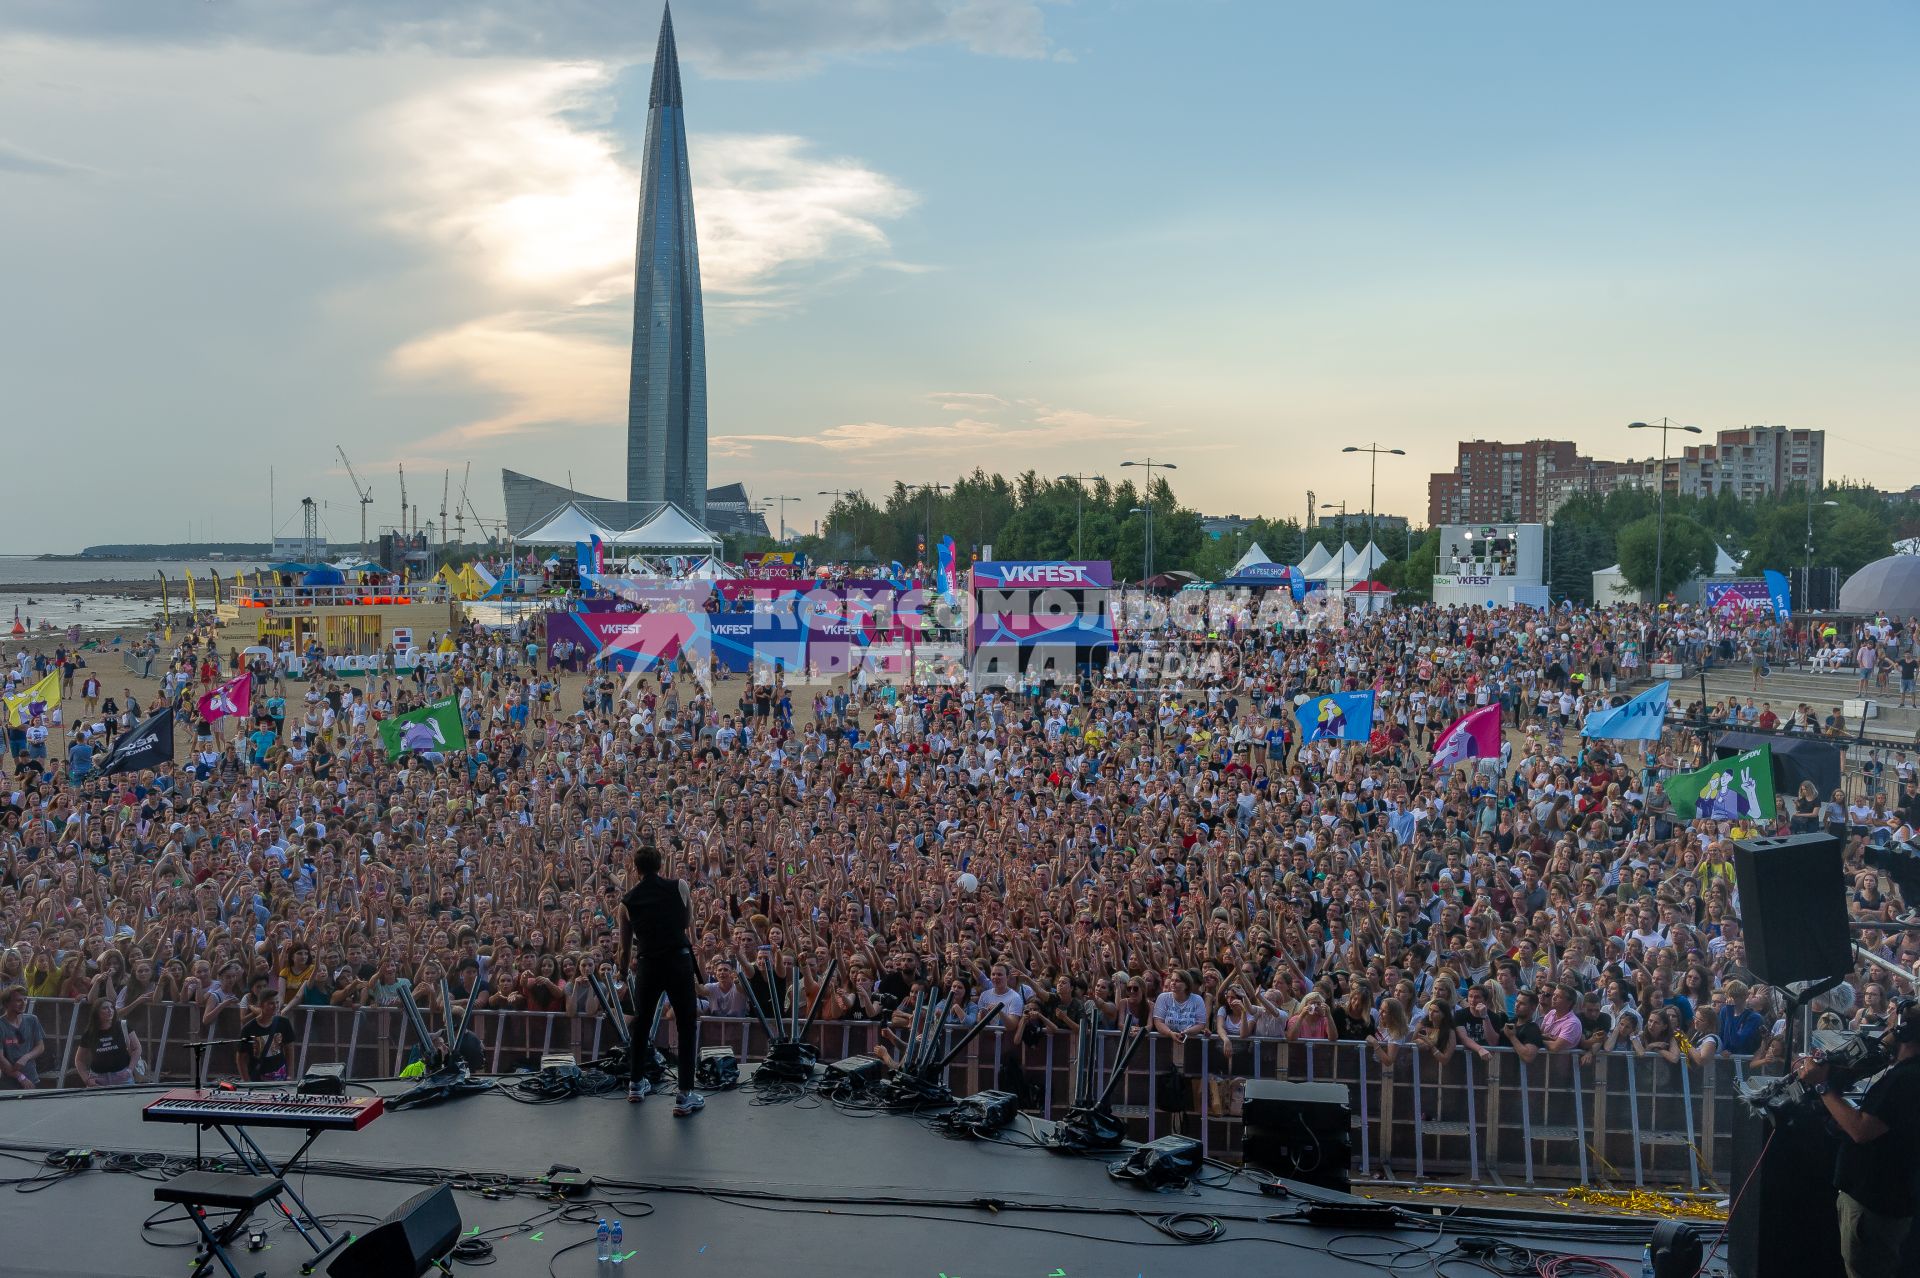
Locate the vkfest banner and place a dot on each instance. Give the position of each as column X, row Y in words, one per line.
column 1043, row 574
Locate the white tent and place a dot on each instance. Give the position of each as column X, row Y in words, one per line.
column 1610, row 587
column 1339, row 566
column 1316, row 559
column 1724, row 565
column 1254, row 555
column 1367, row 562
column 670, row 530
column 565, row 526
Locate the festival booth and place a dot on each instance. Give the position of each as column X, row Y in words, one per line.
column 1365, row 598
column 1266, row 575
column 353, row 609
column 1037, row 619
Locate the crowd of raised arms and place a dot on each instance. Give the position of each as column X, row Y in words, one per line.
column 1168, row 851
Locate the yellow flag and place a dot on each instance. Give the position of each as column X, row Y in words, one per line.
column 35, row 698
column 193, row 604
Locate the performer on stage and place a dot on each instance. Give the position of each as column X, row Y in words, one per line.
column 1880, row 1157
column 653, row 924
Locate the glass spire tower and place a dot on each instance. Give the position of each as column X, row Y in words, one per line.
column 667, row 396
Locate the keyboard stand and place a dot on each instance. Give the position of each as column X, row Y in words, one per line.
column 255, row 1161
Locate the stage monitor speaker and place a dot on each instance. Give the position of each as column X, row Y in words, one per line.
column 1301, row 1131
column 1793, row 907
column 1783, row 1223
column 416, row 1235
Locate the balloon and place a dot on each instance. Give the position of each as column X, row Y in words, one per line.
column 968, row 883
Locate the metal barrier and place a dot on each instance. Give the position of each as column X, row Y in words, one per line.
column 1619, row 1120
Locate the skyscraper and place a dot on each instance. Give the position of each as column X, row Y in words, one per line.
column 667, row 396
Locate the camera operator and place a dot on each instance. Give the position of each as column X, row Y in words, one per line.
column 1878, row 1162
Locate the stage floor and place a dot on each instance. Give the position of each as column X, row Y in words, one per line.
column 802, row 1187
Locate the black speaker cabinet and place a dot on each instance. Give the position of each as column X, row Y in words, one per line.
column 1302, row 1131
column 407, row 1243
column 1784, row 1225
column 1793, row 907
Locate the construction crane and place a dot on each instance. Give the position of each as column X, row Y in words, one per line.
column 403, row 497
column 360, row 490
column 460, row 507
column 446, row 480
column 479, row 524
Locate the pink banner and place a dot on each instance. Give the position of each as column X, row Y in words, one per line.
column 233, row 698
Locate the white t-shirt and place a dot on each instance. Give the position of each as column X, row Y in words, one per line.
column 1178, row 1014
column 1009, row 1003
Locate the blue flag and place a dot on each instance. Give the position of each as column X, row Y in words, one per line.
column 1341, row 716
column 1641, row 719
column 1780, row 592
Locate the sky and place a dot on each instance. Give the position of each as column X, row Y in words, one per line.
column 1237, row 235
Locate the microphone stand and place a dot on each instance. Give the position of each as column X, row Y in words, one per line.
column 200, row 1050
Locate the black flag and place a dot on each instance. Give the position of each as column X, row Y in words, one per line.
column 148, row 746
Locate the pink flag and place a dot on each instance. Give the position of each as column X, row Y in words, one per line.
column 234, row 697
column 1474, row 735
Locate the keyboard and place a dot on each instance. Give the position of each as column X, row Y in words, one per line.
column 265, row 1109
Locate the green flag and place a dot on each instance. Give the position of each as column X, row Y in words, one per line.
column 1730, row 790
column 434, row 726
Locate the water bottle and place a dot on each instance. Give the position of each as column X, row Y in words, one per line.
column 615, row 1239
column 1646, row 1262
column 602, row 1240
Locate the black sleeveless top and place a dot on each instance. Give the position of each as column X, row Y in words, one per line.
column 109, row 1048
column 658, row 916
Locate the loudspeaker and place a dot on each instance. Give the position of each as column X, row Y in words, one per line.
column 1302, row 1131
column 407, row 1243
column 1793, row 907
column 1784, row 1224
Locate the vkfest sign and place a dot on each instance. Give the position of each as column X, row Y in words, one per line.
column 1049, row 574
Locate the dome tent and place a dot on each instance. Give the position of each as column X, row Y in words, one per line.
column 1890, row 585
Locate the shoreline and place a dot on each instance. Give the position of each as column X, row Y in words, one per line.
column 130, row 589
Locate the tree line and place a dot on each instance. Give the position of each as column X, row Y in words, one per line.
column 1034, row 517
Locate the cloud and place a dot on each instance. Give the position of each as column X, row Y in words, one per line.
column 17, row 159
column 510, row 174
column 719, row 37
column 513, row 172
column 764, row 204
column 1031, row 425
column 543, row 378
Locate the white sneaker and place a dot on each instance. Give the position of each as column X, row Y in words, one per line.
column 637, row 1090
column 688, row 1103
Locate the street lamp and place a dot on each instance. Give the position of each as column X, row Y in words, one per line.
column 1807, row 584
column 1660, row 499
column 1079, row 497
column 1373, row 474
column 1150, row 465
column 1342, row 508
column 930, row 490
column 782, row 499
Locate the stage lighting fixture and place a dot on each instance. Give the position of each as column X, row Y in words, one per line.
column 981, row 1113
column 861, row 1070
column 1675, row 1250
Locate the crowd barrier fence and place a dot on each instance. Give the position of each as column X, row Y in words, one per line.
column 1619, row 1120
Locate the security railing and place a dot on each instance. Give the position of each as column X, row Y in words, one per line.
column 339, row 596
column 1618, row 1120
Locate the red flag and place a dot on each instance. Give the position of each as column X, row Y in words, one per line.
column 234, row 697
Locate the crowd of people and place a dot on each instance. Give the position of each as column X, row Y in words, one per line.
column 1165, row 850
